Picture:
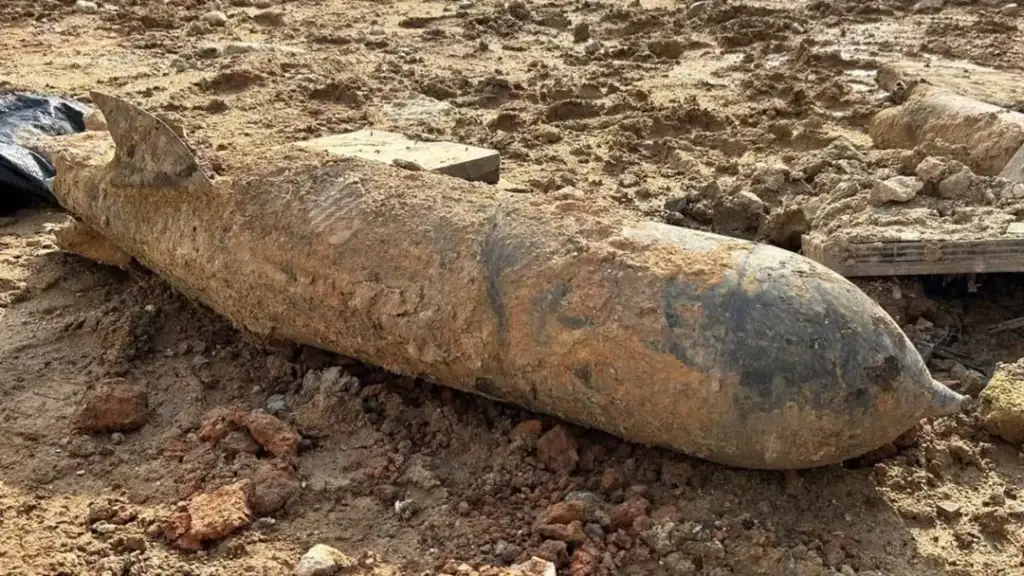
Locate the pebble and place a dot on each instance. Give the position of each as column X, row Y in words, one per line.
column 465, row 4
column 537, row 567
column 322, row 560
column 263, row 3
column 1010, row 10
column 117, row 438
column 210, row 51
column 847, row 570
column 215, row 18
column 896, row 189
column 241, row 48
column 86, row 7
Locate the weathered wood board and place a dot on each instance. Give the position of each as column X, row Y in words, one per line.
column 459, row 160
column 920, row 257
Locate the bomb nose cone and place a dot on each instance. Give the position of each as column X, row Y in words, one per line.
column 945, row 402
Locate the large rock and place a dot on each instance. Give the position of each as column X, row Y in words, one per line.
column 1002, row 403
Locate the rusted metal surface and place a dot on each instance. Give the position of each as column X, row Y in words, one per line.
column 989, row 135
column 737, row 353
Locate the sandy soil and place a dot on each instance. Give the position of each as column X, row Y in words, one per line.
column 713, row 115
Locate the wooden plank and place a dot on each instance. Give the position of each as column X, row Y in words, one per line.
column 460, row 160
column 906, row 258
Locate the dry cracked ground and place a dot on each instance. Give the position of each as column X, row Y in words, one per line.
column 143, row 435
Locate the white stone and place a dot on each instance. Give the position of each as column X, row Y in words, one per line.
column 215, row 18
column 1010, row 10
column 322, row 560
column 537, row 567
column 86, row 6
column 896, row 189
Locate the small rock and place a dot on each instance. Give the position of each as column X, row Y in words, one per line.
column 269, row 18
column 537, row 567
column 263, row 3
column 947, row 510
column 565, row 512
column 585, row 561
column 847, row 570
column 275, row 436
column 465, row 4
column 113, row 406
column 972, row 382
column 238, row 442
column 116, row 438
column 625, row 513
column 548, row 134
column 210, row 51
column 86, row 7
column 697, row 9
column 1010, row 10
column 557, row 450
column 896, row 189
column 667, row 48
column 957, row 185
column 215, row 18
column 506, row 551
column 216, row 514
column 276, row 404
column 581, row 32
column 925, row 6
column 322, row 560
column 240, row 48
column 554, row 551
column 528, row 432
column 1014, row 190
column 930, row 170
column 270, row 490
column 571, row 533
column 519, row 10
column 1002, row 403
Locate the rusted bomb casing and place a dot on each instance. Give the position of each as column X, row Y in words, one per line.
column 991, row 135
column 735, row 352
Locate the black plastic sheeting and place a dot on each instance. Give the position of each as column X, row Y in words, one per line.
column 25, row 175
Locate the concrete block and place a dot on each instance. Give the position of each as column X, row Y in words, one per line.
column 467, row 162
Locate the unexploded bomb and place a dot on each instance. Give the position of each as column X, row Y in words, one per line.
column 732, row 351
